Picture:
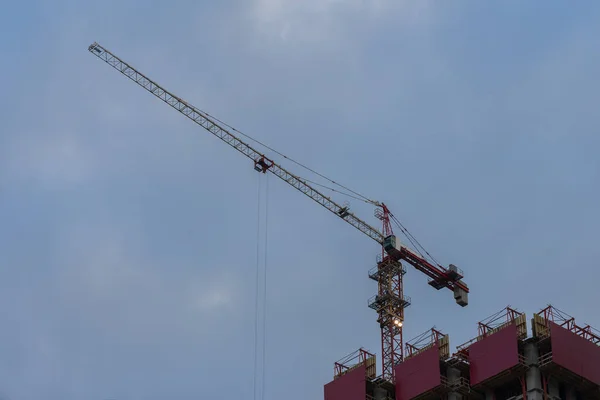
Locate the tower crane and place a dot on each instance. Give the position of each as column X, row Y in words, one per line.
column 389, row 302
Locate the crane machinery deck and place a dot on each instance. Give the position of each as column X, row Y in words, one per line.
column 389, row 302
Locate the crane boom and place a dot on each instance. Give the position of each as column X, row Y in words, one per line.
column 440, row 276
column 261, row 162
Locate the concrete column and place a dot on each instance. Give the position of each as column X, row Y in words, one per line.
column 553, row 389
column 533, row 377
column 453, row 376
column 380, row 393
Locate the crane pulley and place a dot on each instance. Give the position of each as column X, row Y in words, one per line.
column 388, row 277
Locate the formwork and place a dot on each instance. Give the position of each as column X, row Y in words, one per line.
column 496, row 356
column 351, row 386
column 567, row 351
column 559, row 360
column 354, row 378
column 422, row 374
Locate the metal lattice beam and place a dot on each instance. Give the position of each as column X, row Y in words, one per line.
column 219, row 131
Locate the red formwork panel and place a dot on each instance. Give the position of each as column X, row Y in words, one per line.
column 575, row 353
column 350, row 386
column 418, row 374
column 494, row 354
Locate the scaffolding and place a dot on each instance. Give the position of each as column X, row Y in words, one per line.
column 427, row 353
column 560, row 360
column 355, row 360
column 426, row 340
column 493, row 324
column 541, row 328
column 467, row 358
column 501, row 320
column 557, row 366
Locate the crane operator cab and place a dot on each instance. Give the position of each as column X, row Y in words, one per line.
column 392, row 246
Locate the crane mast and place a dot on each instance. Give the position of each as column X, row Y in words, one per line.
column 389, row 301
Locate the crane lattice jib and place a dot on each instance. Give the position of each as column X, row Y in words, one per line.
column 213, row 127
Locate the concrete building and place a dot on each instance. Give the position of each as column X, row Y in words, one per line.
column 557, row 359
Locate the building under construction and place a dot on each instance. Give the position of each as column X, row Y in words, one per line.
column 554, row 359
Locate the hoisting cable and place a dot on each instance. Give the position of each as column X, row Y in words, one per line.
column 364, row 198
column 264, row 332
column 256, row 290
column 355, row 195
column 407, row 234
column 260, row 336
column 413, row 240
column 337, row 191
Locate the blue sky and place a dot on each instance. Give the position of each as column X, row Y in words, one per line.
column 128, row 239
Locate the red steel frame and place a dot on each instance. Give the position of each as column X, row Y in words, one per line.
column 564, row 320
column 505, row 316
column 390, row 318
column 344, row 365
column 486, row 327
column 422, row 341
column 560, row 318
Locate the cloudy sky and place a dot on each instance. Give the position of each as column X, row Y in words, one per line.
column 128, row 239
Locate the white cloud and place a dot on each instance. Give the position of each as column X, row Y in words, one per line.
column 212, row 297
column 319, row 20
column 108, row 272
column 47, row 158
